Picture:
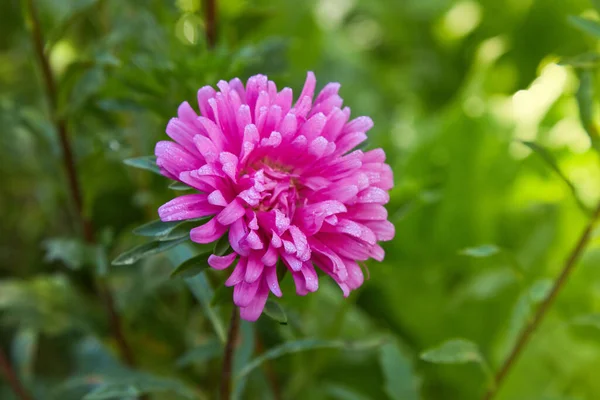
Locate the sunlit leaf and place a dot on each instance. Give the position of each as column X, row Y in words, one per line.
column 145, row 250
column 145, row 162
column 400, row 380
column 274, row 311
column 192, row 266
column 454, row 351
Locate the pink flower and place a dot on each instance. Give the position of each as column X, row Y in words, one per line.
column 282, row 181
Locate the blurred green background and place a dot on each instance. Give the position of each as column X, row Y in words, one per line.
column 483, row 223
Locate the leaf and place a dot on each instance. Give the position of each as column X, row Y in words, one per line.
column 144, row 250
column 306, row 345
column 454, row 351
column 90, row 83
column 585, row 102
column 70, row 251
column 400, row 380
column 223, row 295
column 222, row 246
column 200, row 354
column 549, row 159
column 24, row 349
column 592, row 320
column 201, row 289
column 274, row 311
column 167, row 230
column 584, row 61
column 482, row 251
column 585, row 25
column 192, row 266
column 137, row 385
column 145, row 162
column 339, row 392
column 179, row 186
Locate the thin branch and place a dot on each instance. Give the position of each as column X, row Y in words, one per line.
column 73, row 182
column 210, row 22
column 544, row 306
column 11, row 377
column 232, row 338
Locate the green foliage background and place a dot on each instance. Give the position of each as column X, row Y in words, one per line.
column 483, row 223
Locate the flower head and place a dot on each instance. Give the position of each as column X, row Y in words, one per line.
column 282, row 180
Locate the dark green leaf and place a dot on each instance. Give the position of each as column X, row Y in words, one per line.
column 145, row 162
column 223, row 295
column 168, row 230
column 200, row 354
column 144, row 250
column 585, row 25
column 306, row 345
column 400, row 380
column 192, row 267
column 274, row 311
column 455, row 351
column 183, row 230
column 222, row 246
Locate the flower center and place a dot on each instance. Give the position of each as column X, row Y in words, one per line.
column 277, row 185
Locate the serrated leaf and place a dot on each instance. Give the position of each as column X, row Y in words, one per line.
column 145, row 250
column 400, row 380
column 297, row 346
column 482, row 251
column 179, row 186
column 222, row 246
column 585, row 25
column 137, row 385
column 274, row 311
column 200, row 354
column 146, row 162
column 192, row 266
column 454, row 351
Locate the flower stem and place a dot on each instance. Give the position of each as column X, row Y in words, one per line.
column 11, row 377
column 226, row 372
column 544, row 306
column 61, row 127
column 210, row 23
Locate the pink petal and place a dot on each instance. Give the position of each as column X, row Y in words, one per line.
column 188, row 206
column 256, row 307
column 208, row 233
column 221, row 262
column 244, row 292
column 231, row 213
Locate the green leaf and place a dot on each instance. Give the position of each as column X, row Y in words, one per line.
column 24, row 350
column 144, row 250
column 584, row 61
column 179, row 186
column 585, row 25
column 70, row 251
column 482, row 251
column 145, row 162
column 585, row 102
column 200, row 354
column 223, row 295
column 306, row 345
column 222, row 246
column 338, row 392
column 137, row 385
column 400, row 380
column 192, row 266
column 168, row 230
column 454, row 351
column 548, row 158
column 274, row 311
column 592, row 320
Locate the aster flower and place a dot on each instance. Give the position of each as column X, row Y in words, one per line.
column 282, row 181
